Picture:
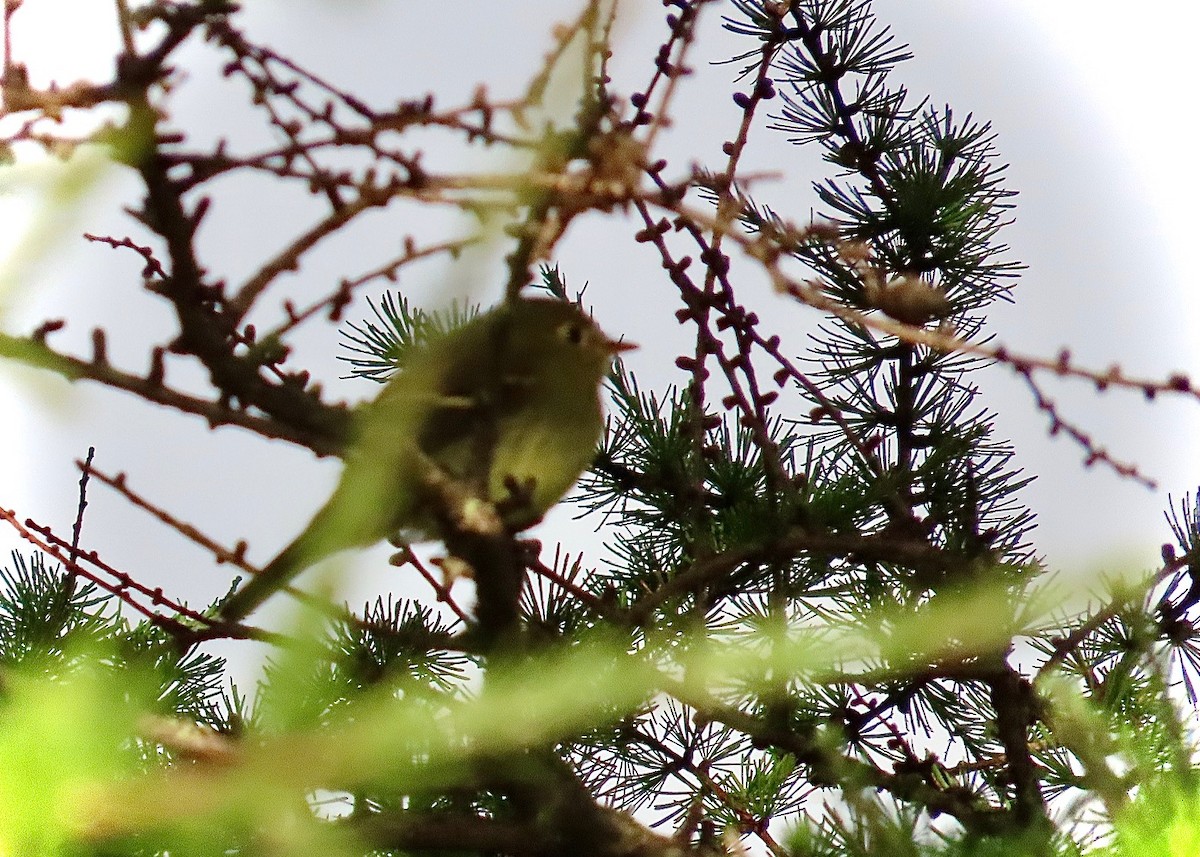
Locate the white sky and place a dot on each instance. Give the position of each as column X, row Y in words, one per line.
column 1090, row 109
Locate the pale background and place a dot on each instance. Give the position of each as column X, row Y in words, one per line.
column 1090, row 108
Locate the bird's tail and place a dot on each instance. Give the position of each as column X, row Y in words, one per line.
column 291, row 561
column 372, row 501
column 360, row 513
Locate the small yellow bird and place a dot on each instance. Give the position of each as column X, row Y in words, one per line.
column 506, row 406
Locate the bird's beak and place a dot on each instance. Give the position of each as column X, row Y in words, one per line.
column 617, row 346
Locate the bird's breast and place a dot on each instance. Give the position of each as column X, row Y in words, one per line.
column 544, row 456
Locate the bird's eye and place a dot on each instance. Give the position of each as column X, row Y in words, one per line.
column 572, row 333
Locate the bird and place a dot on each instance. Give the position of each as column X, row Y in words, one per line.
column 505, row 407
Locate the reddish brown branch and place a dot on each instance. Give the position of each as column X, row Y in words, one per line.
column 33, row 351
